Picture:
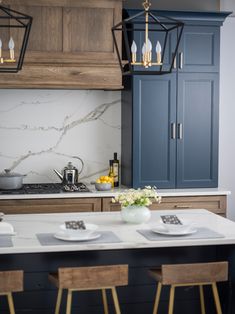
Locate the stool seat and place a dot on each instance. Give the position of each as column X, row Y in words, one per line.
column 199, row 274
column 11, row 281
column 90, row 278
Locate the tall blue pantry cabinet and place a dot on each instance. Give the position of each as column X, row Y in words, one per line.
column 170, row 123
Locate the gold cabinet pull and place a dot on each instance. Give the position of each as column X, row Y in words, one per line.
column 183, row 206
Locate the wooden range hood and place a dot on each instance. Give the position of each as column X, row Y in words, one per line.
column 70, row 45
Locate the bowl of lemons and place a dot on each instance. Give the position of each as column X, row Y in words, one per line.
column 104, row 183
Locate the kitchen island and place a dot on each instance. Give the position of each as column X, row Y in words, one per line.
column 133, row 248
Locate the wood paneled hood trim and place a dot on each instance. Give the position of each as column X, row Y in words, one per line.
column 70, row 45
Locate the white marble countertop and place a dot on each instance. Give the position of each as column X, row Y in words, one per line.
column 27, row 226
column 115, row 191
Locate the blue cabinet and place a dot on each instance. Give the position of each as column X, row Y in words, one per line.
column 154, row 115
column 197, row 130
column 170, row 123
column 199, row 49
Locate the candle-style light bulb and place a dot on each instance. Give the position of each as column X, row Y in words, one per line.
column 158, row 51
column 133, row 51
column 11, row 46
column 149, row 48
column 144, row 49
column 133, row 47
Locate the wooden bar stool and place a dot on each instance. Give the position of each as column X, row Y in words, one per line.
column 190, row 275
column 90, row 278
column 11, row 281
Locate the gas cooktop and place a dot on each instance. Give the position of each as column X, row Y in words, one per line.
column 47, row 188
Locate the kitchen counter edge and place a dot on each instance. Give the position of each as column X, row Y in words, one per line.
column 116, row 191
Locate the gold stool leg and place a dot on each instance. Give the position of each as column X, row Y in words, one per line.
column 58, row 301
column 216, row 298
column 105, row 302
column 115, row 300
column 69, row 302
column 202, row 300
column 10, row 303
column 171, row 302
column 157, row 298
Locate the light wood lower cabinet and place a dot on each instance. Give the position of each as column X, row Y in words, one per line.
column 215, row 204
column 62, row 205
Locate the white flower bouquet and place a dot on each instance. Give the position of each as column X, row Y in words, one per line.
column 138, row 197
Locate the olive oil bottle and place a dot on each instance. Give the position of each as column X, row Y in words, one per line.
column 115, row 164
column 111, row 174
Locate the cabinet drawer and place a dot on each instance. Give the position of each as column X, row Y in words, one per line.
column 35, row 206
column 215, row 204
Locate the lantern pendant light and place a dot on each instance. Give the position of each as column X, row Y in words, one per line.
column 13, row 24
column 141, row 33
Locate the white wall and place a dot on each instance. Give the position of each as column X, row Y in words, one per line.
column 227, row 113
column 227, row 5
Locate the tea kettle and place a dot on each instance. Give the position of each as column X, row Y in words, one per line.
column 70, row 173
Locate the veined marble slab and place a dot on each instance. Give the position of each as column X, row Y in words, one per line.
column 45, row 129
column 116, row 191
column 27, row 226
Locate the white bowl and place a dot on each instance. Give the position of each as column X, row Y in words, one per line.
column 103, row 186
column 186, row 225
column 82, row 233
column 177, row 228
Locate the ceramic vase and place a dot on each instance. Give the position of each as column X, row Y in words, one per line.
column 135, row 214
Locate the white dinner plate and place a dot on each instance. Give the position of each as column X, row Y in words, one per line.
column 66, row 237
column 162, row 230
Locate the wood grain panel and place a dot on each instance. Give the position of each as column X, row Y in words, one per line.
column 68, row 77
column 46, row 31
column 65, row 3
column 11, row 281
column 194, row 273
column 34, row 206
column 215, row 203
column 70, row 45
column 91, row 277
column 95, row 36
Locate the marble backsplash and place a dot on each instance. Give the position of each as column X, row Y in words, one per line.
column 45, row 129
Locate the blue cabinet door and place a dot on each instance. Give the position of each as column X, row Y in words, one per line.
column 197, row 124
column 199, row 49
column 154, row 115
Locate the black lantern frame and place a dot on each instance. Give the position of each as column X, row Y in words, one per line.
column 11, row 19
column 132, row 25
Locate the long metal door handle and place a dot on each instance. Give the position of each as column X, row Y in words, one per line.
column 173, row 131
column 181, row 60
column 180, row 131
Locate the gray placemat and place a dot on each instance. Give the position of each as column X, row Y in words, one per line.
column 202, row 233
column 5, row 241
column 47, row 239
